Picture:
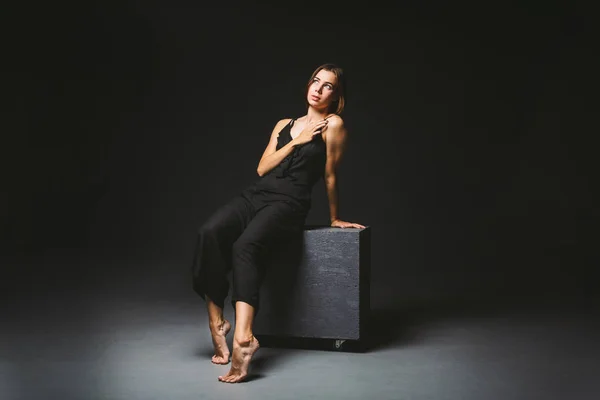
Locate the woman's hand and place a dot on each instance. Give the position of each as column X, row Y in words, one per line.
column 338, row 223
column 310, row 131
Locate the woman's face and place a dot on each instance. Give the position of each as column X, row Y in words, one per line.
column 321, row 92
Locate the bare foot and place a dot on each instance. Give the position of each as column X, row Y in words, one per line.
column 242, row 354
column 218, row 334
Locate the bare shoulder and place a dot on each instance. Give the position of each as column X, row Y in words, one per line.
column 335, row 132
column 280, row 125
column 335, row 121
column 283, row 122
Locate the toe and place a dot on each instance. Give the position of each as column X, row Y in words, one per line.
column 220, row 360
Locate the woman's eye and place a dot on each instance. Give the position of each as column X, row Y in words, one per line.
column 328, row 87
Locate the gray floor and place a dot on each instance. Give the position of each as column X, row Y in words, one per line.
column 107, row 339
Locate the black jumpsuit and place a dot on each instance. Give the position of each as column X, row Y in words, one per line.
column 239, row 234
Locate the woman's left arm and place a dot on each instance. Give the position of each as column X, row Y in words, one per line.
column 335, row 140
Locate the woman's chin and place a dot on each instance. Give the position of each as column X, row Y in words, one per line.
column 318, row 106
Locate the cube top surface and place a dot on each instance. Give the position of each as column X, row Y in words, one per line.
column 327, row 228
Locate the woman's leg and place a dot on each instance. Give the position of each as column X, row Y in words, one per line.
column 212, row 262
column 219, row 328
column 244, row 343
column 272, row 224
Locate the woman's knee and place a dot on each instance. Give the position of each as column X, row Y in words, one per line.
column 210, row 228
column 240, row 246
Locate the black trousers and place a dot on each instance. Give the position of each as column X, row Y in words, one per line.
column 239, row 237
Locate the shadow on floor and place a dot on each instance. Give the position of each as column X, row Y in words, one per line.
column 407, row 324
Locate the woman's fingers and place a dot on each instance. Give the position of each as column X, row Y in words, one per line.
column 351, row 225
column 320, row 125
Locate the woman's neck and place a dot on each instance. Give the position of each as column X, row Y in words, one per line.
column 315, row 115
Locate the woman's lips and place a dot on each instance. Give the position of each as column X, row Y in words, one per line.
column 316, row 98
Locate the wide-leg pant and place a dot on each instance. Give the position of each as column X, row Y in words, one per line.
column 238, row 237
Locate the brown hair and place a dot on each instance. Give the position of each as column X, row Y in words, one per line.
column 337, row 106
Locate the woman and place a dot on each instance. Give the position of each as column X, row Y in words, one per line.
column 237, row 236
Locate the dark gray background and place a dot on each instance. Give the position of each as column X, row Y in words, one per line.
column 469, row 137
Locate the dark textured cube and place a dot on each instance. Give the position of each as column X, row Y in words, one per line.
column 318, row 286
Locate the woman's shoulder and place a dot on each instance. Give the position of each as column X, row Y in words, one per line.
column 335, row 120
column 283, row 122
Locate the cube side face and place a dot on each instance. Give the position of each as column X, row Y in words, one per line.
column 331, row 280
column 316, row 287
column 365, row 280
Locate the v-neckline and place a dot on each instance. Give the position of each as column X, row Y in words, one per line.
column 290, row 130
column 292, row 122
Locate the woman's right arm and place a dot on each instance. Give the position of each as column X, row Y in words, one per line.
column 271, row 156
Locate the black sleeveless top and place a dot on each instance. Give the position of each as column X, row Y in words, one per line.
column 293, row 179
